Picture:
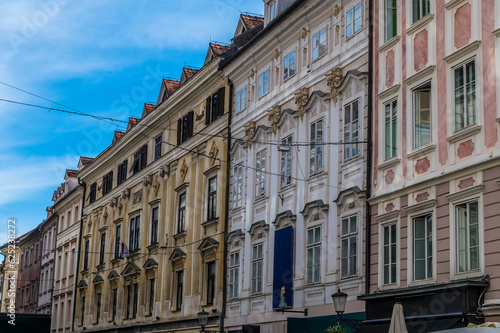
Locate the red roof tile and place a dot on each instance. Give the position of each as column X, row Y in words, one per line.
column 132, row 122
column 71, row 173
column 218, row 49
column 85, row 160
column 149, row 107
column 170, row 85
column 189, row 72
column 117, row 135
column 251, row 21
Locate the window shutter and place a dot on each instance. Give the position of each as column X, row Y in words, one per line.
column 104, row 182
column 208, row 114
column 124, row 171
column 144, row 156
column 190, row 124
column 179, row 131
column 110, row 180
column 220, row 101
column 119, row 174
column 283, row 266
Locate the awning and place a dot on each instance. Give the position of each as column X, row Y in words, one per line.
column 416, row 326
column 319, row 324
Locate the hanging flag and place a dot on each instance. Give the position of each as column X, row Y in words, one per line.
column 124, row 251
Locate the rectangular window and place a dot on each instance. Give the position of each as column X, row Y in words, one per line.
column 86, row 255
column 182, row 213
column 257, row 268
column 264, row 83
column 422, row 115
column 353, row 21
column 319, row 44
column 214, row 106
column 351, row 130
column 314, row 255
column 260, row 174
column 129, row 300
column 212, row 198
column 272, row 10
column 240, row 100
column 420, row 9
column 121, row 172
column 118, row 241
column 237, row 186
column 107, row 184
column 289, row 65
column 467, row 236
column 210, row 283
column 422, row 247
column 135, row 225
column 114, row 299
column 391, row 19
column 234, row 272
column 140, row 159
column 316, row 154
column 98, row 307
column 391, row 132
column 151, row 295
column 136, row 299
column 389, row 253
column 286, row 162
column 82, row 310
column 102, row 248
column 158, row 142
column 93, row 192
column 154, row 226
column 465, row 95
column 349, row 240
column 180, row 284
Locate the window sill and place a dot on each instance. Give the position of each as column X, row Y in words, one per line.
column 318, row 175
column 395, row 160
column 425, row 282
column 462, row 52
column 319, row 57
column 353, row 35
column 390, row 43
column 210, row 222
column 286, row 188
column 289, row 77
column 261, row 199
column 100, row 266
column 180, row 235
column 115, row 260
column 464, row 133
column 468, row 274
column 421, row 151
column 497, row 32
column 153, row 247
column 352, row 160
column 451, row 3
column 175, row 311
column 419, row 23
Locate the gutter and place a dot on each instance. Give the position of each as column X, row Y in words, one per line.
column 78, row 257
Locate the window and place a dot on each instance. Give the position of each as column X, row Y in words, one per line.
column 31, row 256
column 465, row 95
column 93, row 192
column 185, row 127
column 118, row 241
column 349, row 236
column 21, row 261
column 107, row 184
column 215, row 106
column 422, row 115
column 351, row 130
column 114, row 299
column 135, row 225
column 212, row 198
column 102, row 248
column 420, row 9
column 467, row 236
column 260, row 174
column 234, row 272
column 158, row 142
column 316, row 154
column 272, row 10
column 257, row 267
column 180, row 284
column 353, row 21
column 237, row 186
column 86, row 255
column 121, row 172
column 154, row 226
column 389, row 254
column 82, row 310
column 391, row 133
column 136, row 299
column 210, row 283
column 289, row 65
column 98, row 307
column 422, row 247
column 286, row 162
column 182, row 213
column 391, row 19
column 240, row 100
column 129, row 300
column 319, row 44
column 264, row 83
column 313, row 255
column 140, row 159
column 151, row 295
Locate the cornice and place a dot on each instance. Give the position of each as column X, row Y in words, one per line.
column 389, row 91
column 420, row 23
column 465, row 193
column 420, row 75
column 462, row 52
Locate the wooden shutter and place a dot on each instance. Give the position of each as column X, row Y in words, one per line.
column 179, row 131
column 119, row 174
column 208, row 114
column 190, row 124
column 110, row 181
column 104, row 184
column 124, row 170
column 144, row 156
column 220, row 101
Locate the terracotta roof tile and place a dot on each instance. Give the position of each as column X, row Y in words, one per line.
column 218, row 49
column 149, row 107
column 117, row 135
column 251, row 21
column 85, row 160
column 71, row 173
column 132, row 122
column 189, row 72
column 171, row 85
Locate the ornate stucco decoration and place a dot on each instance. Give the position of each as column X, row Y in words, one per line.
column 119, row 206
column 277, row 54
column 304, row 33
column 105, row 213
column 253, row 72
column 334, row 79
column 213, row 152
column 148, row 179
column 99, row 187
column 200, row 114
column 274, row 114
column 89, row 222
column 156, row 186
column 301, row 98
column 113, row 202
column 137, row 198
column 336, row 10
column 164, row 171
column 125, row 193
column 250, row 130
column 184, row 170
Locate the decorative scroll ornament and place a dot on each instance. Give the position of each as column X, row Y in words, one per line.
column 301, row 98
column 105, row 214
column 213, row 153
column 164, row 171
column 336, row 10
column 334, row 79
column 148, row 179
column 274, row 114
column 156, row 186
column 253, row 72
column 119, row 206
column 137, row 198
column 250, row 130
column 113, row 202
column 184, row 170
column 125, row 193
column 277, row 54
column 304, row 33
column 200, row 114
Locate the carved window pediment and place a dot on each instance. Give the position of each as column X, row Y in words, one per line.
column 131, row 270
column 258, row 226
column 235, row 236
column 285, row 219
column 178, row 259
column 314, row 206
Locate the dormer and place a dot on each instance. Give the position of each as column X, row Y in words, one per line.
column 83, row 161
column 148, row 108
column 247, row 21
column 168, row 86
column 117, row 135
column 132, row 122
column 215, row 50
column 187, row 73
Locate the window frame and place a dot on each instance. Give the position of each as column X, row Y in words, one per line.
column 393, row 247
column 352, row 12
column 257, row 261
column 463, row 65
column 286, row 162
column 411, row 247
column 121, row 172
column 393, row 129
column 102, row 248
column 316, row 48
column 394, row 15
column 181, row 213
column 348, row 237
column 240, row 98
column 348, row 148
column 134, row 233
column 118, row 230
column 210, row 282
column 260, row 174
column 273, row 9
column 468, row 238
column 234, row 275
column 93, row 192
column 262, row 91
column 318, row 151
column 238, row 186
column 315, row 247
column 154, row 225
column 151, row 297
column 421, row 11
column 179, row 289
column 158, row 144
column 212, row 199
column 426, row 85
column 86, row 255
column 289, row 68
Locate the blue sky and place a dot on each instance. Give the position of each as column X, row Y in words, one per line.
column 101, row 57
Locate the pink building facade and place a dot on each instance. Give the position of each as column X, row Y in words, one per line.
column 436, row 162
column 28, row 277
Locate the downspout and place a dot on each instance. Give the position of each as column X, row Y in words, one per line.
column 78, row 256
column 369, row 150
column 54, row 270
column 226, row 208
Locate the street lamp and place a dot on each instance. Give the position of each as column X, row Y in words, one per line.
column 203, row 319
column 339, row 300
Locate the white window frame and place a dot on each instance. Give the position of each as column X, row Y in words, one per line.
column 257, row 261
column 348, row 236
column 238, row 189
column 321, row 41
column 262, row 84
column 273, row 10
column 350, row 127
column 391, row 250
column 314, row 155
column 350, row 28
column 393, row 127
column 286, row 162
column 385, row 20
column 413, row 113
column 466, row 123
column 289, row 66
column 420, row 15
column 234, row 275
column 240, row 100
column 315, row 247
column 260, row 173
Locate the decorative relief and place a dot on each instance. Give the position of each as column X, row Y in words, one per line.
column 337, row 10
column 250, row 129
column 105, row 214
column 389, row 177
column 333, row 80
column 304, row 33
column 422, row 197
column 277, row 54
column 274, row 114
column 125, row 193
column 462, row 26
column 184, row 170
column 200, row 115
column 156, row 186
column 113, row 202
column 213, row 153
column 137, row 198
column 465, row 149
column 164, row 171
column 119, row 206
column 301, row 98
column 389, row 207
column 422, row 165
column 148, row 179
column 420, row 50
column 253, row 72
column 465, row 183
column 389, row 68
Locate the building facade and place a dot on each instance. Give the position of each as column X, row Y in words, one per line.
column 434, row 235
column 48, row 230
column 10, row 271
column 27, row 273
column 152, row 242
column 298, row 166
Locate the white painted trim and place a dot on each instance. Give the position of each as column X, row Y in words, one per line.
column 380, row 265
column 451, row 3
column 462, row 52
column 464, row 133
column 390, row 43
column 419, row 23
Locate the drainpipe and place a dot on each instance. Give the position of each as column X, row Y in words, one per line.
column 226, row 208
column 80, row 183
column 54, row 270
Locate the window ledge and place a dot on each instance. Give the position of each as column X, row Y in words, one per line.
column 180, row 235
column 498, row 120
column 451, row 3
column 386, row 217
column 153, row 247
column 389, row 163
column 211, row 222
column 420, row 23
column 463, row 194
column 175, row 311
column 317, row 176
column 390, row 43
column 389, row 91
column 468, row 274
column 420, row 206
column 352, row 160
column 115, row 260
column 464, row 133
column 420, row 75
column 462, row 52
column 261, row 199
column 421, row 151
column 497, row 32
